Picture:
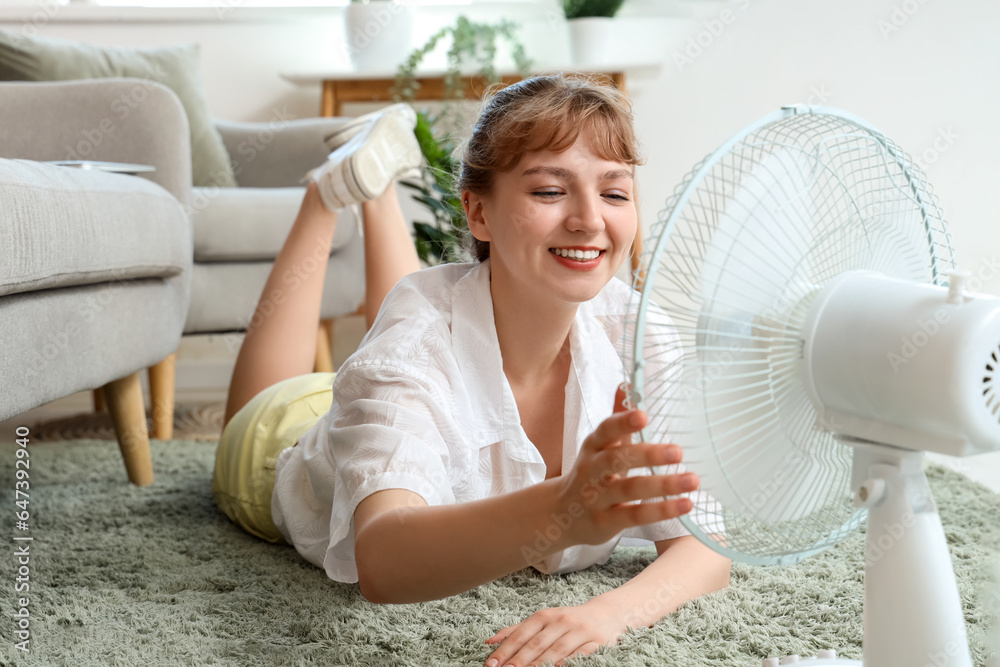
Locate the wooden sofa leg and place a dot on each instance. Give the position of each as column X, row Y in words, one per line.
column 161, row 397
column 99, row 404
column 128, row 413
column 324, row 347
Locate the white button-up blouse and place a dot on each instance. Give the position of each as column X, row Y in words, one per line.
column 424, row 405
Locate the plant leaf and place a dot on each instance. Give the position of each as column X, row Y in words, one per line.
column 575, row 9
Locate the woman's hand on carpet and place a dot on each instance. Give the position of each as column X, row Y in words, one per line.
column 555, row 634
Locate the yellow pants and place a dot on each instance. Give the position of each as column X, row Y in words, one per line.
column 271, row 422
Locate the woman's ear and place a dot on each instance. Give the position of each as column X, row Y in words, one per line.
column 473, row 205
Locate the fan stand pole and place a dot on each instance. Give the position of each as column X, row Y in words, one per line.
column 912, row 610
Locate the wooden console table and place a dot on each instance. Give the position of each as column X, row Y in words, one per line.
column 341, row 87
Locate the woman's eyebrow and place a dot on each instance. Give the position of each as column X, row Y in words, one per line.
column 558, row 172
column 566, row 174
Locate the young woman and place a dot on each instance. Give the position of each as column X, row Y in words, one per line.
column 471, row 434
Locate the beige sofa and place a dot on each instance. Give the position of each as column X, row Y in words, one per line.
column 235, row 234
column 95, row 267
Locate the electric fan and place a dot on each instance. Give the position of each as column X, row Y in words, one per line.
column 800, row 328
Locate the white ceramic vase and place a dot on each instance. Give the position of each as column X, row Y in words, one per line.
column 378, row 34
column 591, row 42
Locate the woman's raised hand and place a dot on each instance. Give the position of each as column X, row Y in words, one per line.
column 597, row 491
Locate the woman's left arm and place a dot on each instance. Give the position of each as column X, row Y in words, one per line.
column 683, row 570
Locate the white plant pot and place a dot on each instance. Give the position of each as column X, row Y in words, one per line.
column 378, row 34
column 591, row 42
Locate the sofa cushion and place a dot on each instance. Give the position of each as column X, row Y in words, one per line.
column 58, row 342
column 52, row 59
column 242, row 284
column 61, row 226
column 251, row 224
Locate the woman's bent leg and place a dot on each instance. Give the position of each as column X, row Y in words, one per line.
column 389, row 250
column 281, row 338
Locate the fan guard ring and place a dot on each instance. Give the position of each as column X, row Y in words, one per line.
column 742, row 247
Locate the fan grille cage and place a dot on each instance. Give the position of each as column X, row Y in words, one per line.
column 730, row 269
column 991, row 387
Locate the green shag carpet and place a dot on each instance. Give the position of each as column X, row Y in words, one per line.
column 157, row 576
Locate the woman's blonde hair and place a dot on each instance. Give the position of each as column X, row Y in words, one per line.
column 544, row 113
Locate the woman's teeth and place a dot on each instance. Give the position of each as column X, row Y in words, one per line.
column 579, row 255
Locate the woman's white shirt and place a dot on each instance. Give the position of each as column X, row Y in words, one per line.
column 424, row 405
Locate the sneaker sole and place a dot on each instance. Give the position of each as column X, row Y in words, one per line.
column 370, row 170
column 341, row 136
column 334, row 197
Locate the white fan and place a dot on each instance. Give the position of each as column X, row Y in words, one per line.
column 801, row 331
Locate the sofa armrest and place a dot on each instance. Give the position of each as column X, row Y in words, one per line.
column 276, row 154
column 113, row 120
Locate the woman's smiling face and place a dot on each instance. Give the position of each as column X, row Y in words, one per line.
column 562, row 222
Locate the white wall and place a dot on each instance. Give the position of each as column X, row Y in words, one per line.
column 937, row 75
column 925, row 72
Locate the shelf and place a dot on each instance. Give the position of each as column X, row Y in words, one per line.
column 316, row 77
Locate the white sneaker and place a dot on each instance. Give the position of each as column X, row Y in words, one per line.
column 363, row 168
column 346, row 132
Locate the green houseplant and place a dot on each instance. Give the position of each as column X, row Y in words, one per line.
column 471, row 43
column 576, row 9
column 440, row 240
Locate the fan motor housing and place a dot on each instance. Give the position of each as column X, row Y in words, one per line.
column 897, row 362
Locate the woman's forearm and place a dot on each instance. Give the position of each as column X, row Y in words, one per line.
column 685, row 571
column 416, row 554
